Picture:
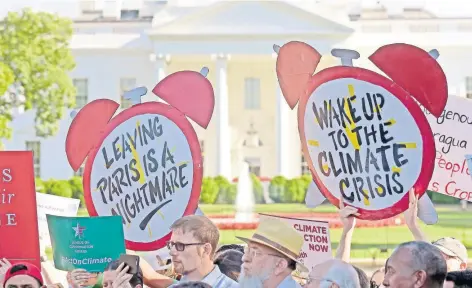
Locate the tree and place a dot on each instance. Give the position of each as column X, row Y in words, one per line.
column 35, row 60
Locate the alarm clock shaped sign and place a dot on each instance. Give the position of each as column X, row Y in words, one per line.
column 144, row 164
column 364, row 136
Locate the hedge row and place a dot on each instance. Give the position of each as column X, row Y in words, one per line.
column 218, row 190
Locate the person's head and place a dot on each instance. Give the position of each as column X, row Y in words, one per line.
column 333, row 273
column 23, row 275
column 193, row 243
column 363, row 279
column 237, row 247
column 192, row 284
column 454, row 252
column 377, row 278
column 271, row 253
column 109, row 275
column 229, row 262
column 458, row 279
column 415, row 264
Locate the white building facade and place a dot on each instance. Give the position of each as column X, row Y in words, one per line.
column 119, row 45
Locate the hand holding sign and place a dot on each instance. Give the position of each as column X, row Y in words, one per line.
column 412, row 212
column 347, row 215
column 78, row 278
column 122, row 278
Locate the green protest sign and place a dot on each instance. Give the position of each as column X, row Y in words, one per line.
column 87, row 243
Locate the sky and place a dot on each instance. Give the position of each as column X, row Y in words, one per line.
column 69, row 8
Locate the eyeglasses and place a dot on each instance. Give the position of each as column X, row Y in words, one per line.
column 254, row 253
column 180, row 246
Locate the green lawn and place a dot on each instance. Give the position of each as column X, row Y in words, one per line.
column 367, row 242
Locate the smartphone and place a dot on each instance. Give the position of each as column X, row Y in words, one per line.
column 132, row 261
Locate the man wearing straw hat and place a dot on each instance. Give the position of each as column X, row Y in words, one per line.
column 271, row 256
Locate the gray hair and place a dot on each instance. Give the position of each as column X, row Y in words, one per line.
column 426, row 257
column 343, row 275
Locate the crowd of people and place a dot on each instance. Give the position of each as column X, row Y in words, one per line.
column 269, row 259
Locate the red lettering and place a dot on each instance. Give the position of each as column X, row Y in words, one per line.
column 453, row 167
column 451, row 190
column 318, row 247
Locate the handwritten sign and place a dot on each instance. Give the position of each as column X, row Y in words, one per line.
column 364, row 143
column 453, row 137
column 145, row 163
column 143, row 171
column 53, row 205
column 18, row 219
column 317, row 244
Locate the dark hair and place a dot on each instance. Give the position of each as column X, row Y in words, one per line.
column 137, row 278
column 363, row 279
column 226, row 247
column 229, row 262
column 461, row 279
column 21, row 267
column 192, row 284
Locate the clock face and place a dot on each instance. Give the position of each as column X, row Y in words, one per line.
column 366, row 139
column 146, row 169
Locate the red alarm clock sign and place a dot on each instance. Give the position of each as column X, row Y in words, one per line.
column 366, row 139
column 144, row 164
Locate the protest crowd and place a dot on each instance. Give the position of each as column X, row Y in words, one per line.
column 267, row 259
column 128, row 180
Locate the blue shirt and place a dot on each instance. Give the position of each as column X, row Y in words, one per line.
column 289, row 282
column 215, row 279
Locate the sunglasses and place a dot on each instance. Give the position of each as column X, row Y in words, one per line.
column 180, row 246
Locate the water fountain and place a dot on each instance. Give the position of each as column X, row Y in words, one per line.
column 245, row 196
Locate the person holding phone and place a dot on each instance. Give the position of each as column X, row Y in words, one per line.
column 121, row 274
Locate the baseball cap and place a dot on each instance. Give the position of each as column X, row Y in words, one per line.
column 452, row 247
column 23, row 269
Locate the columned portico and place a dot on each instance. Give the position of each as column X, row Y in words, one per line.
column 160, row 66
column 223, row 135
column 282, row 138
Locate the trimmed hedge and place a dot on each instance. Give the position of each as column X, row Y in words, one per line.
column 219, row 190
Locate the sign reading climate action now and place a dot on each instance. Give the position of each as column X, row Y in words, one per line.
column 86, row 243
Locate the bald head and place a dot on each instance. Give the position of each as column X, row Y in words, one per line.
column 341, row 274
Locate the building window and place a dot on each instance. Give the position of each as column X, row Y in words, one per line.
column 202, row 150
column 254, row 166
column 129, row 14
column 81, row 98
column 80, row 172
column 252, row 93
column 126, row 84
column 305, row 168
column 468, row 87
column 35, row 146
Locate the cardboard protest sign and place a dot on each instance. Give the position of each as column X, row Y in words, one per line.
column 53, row 205
column 88, row 243
column 317, row 244
column 452, row 132
column 19, row 239
column 145, row 164
column 365, row 138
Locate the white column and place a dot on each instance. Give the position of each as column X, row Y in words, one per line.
column 160, row 66
column 223, row 133
column 282, row 122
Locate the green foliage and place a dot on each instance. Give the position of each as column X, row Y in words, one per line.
column 77, row 189
column 226, row 192
column 39, row 185
column 6, row 80
column 58, row 188
column 209, row 191
column 277, row 189
column 258, row 189
column 35, row 58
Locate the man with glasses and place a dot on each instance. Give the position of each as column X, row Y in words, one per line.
column 192, row 247
column 271, row 256
column 415, row 265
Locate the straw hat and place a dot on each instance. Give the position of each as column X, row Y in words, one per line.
column 280, row 236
